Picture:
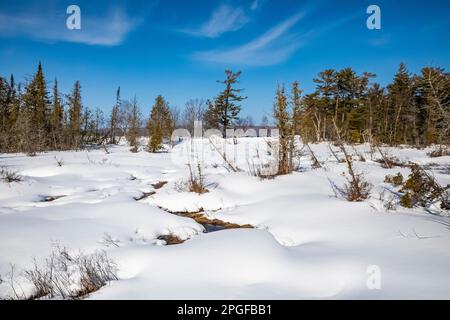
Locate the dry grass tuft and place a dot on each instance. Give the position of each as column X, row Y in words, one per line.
column 66, row 276
column 196, row 182
column 10, row 176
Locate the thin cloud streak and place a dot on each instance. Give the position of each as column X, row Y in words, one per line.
column 224, row 19
column 272, row 47
column 109, row 30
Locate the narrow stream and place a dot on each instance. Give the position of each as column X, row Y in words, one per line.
column 210, row 225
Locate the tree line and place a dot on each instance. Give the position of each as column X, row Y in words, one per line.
column 34, row 120
column 413, row 109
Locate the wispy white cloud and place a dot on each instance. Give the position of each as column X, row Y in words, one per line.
column 272, row 47
column 254, row 5
column 108, row 30
column 224, row 19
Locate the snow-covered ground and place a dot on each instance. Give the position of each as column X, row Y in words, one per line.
column 306, row 243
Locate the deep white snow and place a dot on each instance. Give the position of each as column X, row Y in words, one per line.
column 307, row 243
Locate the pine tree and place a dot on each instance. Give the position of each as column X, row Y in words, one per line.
column 13, row 102
column 133, row 118
column 15, row 117
column 286, row 136
column 115, row 118
column 11, row 112
column 296, row 103
column 403, row 116
column 323, row 104
column 160, row 124
column 75, row 116
column 4, row 116
column 211, row 116
column 358, row 111
column 347, row 84
column 3, row 105
column 413, row 109
column 226, row 103
column 327, row 88
column 341, row 98
column 37, row 104
column 434, row 86
column 377, row 114
column 56, row 120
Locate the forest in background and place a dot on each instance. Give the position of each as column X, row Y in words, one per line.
column 414, row 109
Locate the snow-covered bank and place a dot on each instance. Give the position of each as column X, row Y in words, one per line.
column 310, row 244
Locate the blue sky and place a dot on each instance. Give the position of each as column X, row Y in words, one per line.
column 179, row 48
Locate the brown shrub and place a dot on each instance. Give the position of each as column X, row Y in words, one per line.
column 356, row 189
column 396, row 180
column 196, row 182
column 422, row 189
column 440, row 152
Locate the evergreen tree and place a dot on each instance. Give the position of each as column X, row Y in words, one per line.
column 296, row 104
column 13, row 102
column 413, row 109
column 160, row 124
column 133, row 118
column 286, row 134
column 346, row 102
column 10, row 114
column 3, row 115
column 327, row 92
column 75, row 115
column 211, row 116
column 57, row 116
column 434, row 87
column 340, row 98
column 37, row 103
column 358, row 111
column 3, row 105
column 403, row 116
column 377, row 114
column 227, row 106
column 115, row 118
column 13, row 144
